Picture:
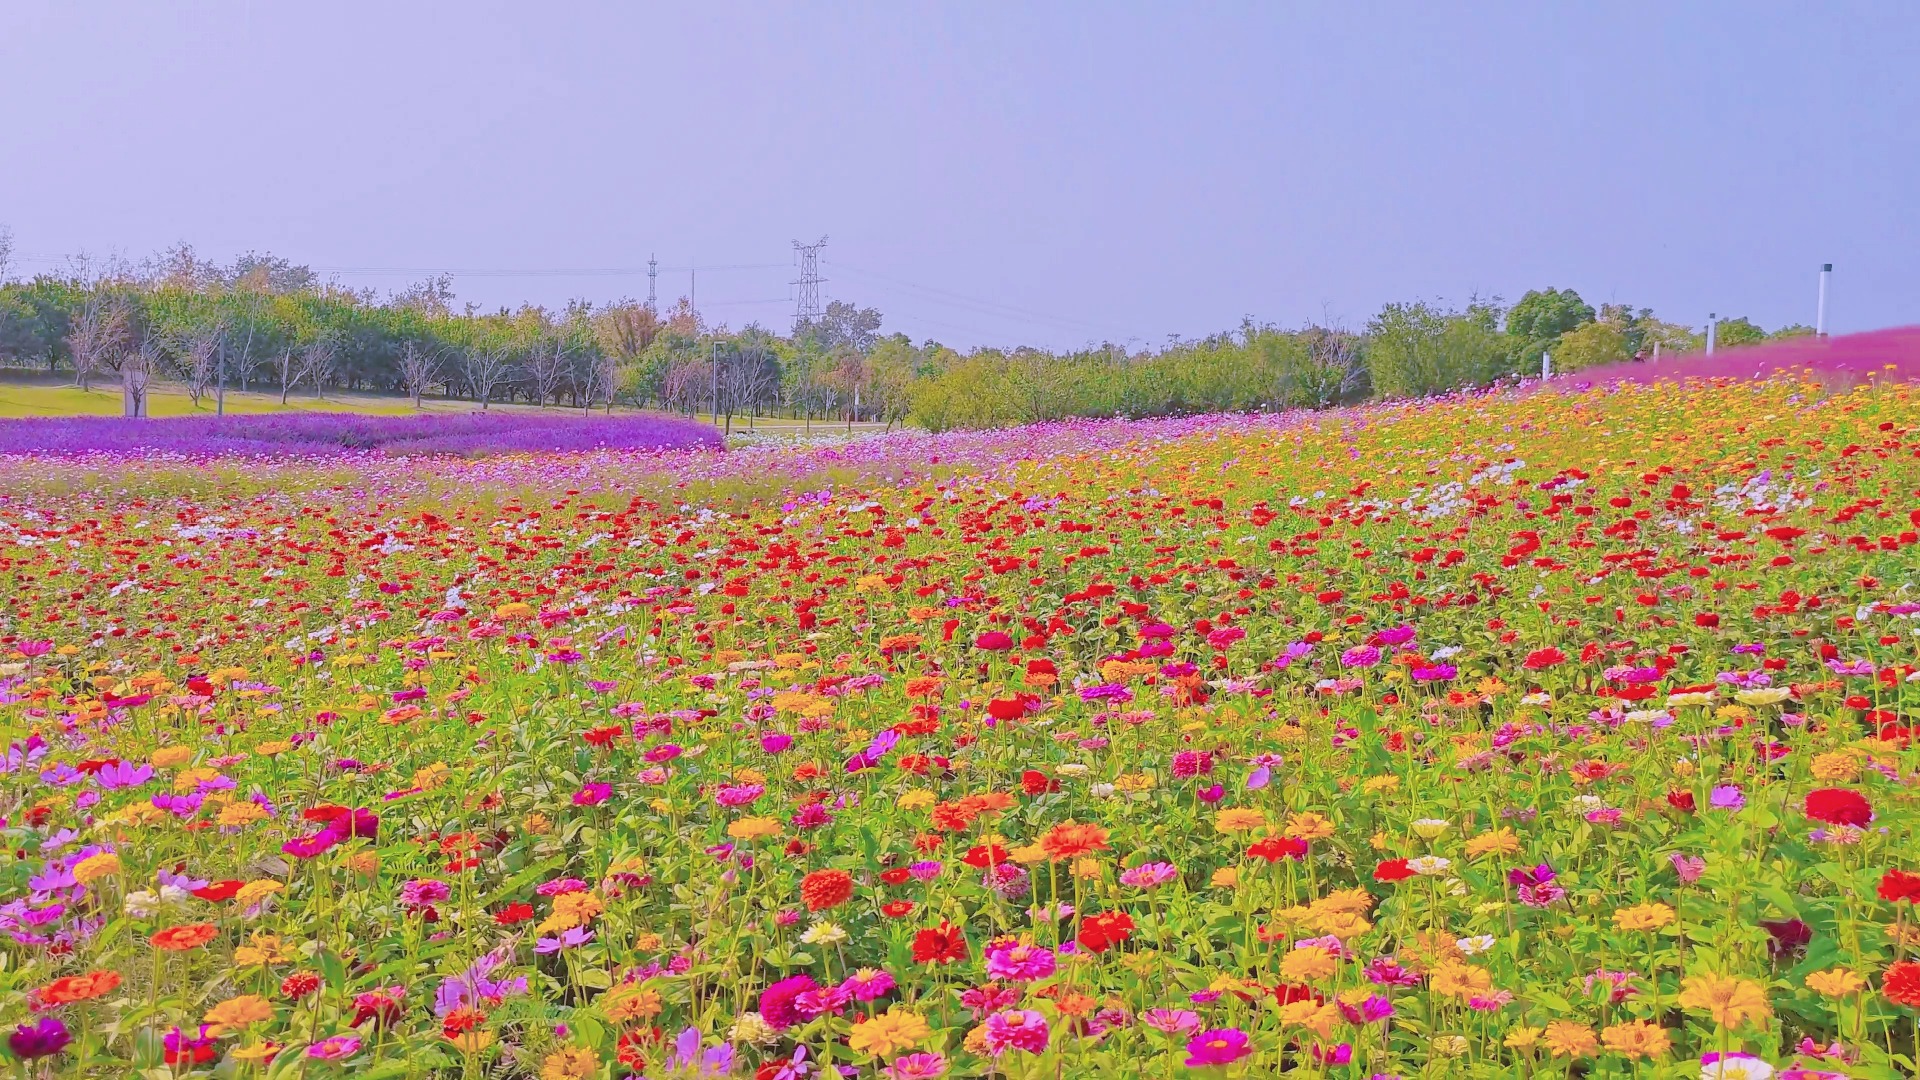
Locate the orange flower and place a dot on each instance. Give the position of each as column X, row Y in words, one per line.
column 182, row 938
column 1070, row 841
column 80, row 987
column 825, row 889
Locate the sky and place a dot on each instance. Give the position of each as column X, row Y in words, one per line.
column 992, row 174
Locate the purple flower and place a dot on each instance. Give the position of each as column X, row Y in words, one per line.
column 334, row 1048
column 1727, row 797
column 1360, row 656
column 44, row 1039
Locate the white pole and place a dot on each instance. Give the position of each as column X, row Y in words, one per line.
column 1820, row 313
column 1546, row 364
column 1713, row 322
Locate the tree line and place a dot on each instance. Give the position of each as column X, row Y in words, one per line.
column 263, row 323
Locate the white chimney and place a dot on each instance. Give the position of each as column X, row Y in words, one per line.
column 1820, row 313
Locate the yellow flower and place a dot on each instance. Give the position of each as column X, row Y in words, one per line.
column 1564, row 1038
column 1317, row 1018
column 1086, row 868
column 916, row 800
column 255, row 891
column 1239, row 819
column 237, row 814
column 428, row 777
column 573, row 1063
column 1341, row 924
column 472, row 1042
column 1835, row 982
column 168, row 757
column 274, row 748
column 633, row 1003
column 1521, row 1038
column 1729, row 1000
column 1306, row 964
column 95, row 867
column 1839, row 765
column 754, row 828
column 1028, row 855
column 1374, row 784
column 1643, row 917
column 363, row 862
column 1430, row 828
column 1637, row 1039
column 259, row 1051
column 889, row 1033
column 238, row 1012
column 264, row 950
column 1226, row 877
column 1456, row 980
column 1309, row 826
column 1501, row 841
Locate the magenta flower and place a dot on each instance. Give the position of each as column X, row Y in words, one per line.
column 334, row 1048
column 1020, row 962
column 592, row 794
column 1221, row 1046
column 44, row 1039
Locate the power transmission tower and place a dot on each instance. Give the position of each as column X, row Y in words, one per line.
column 653, row 283
column 806, row 305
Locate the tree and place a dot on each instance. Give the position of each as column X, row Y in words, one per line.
column 269, row 274
column 1417, row 349
column 419, row 366
column 546, row 366
column 197, row 354
column 6, row 252
column 487, row 368
column 101, row 328
column 843, row 326
column 1537, row 320
column 1733, row 333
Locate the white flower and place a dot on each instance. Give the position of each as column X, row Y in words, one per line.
column 1101, row 791
column 1586, row 803
column 753, row 1028
column 1647, row 716
column 1473, row 946
column 1429, row 865
column 174, row 895
column 1430, row 828
column 142, row 904
column 1763, row 695
column 1071, row 768
column 1446, row 652
column 1736, row 1067
column 824, row 933
column 1538, row 697
column 1692, row 697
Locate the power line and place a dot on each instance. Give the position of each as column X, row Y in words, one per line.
column 977, row 304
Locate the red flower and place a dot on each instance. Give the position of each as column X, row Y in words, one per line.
column 1275, row 848
column 1035, row 782
column 896, row 876
column 945, row 944
column 1898, row 885
column 983, row 855
column 825, row 889
column 1839, row 806
column 219, row 890
column 1901, row 984
column 894, row 909
column 1102, row 932
column 299, row 985
column 1392, row 870
column 513, row 914
column 1541, row 659
column 1681, row 800
column 993, row 641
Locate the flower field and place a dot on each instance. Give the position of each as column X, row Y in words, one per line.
column 1558, row 734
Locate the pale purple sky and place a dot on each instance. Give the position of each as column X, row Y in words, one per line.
column 993, row 174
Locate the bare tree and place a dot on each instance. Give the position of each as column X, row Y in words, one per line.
column 684, row 383
column 748, row 378
column 136, row 376
column 487, row 369
column 100, row 331
column 419, row 366
column 603, row 378
column 320, row 356
column 547, row 364
column 197, row 355
column 6, row 251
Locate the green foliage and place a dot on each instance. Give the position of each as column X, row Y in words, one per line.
column 1417, row 349
column 1537, row 321
column 1733, row 333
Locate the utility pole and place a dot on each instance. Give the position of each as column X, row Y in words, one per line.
column 1713, row 324
column 653, row 281
column 806, row 301
column 1820, row 313
column 713, row 361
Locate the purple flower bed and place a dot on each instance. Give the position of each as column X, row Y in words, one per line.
column 473, row 434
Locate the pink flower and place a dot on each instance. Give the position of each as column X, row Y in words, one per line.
column 1021, row 1029
column 1019, row 962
